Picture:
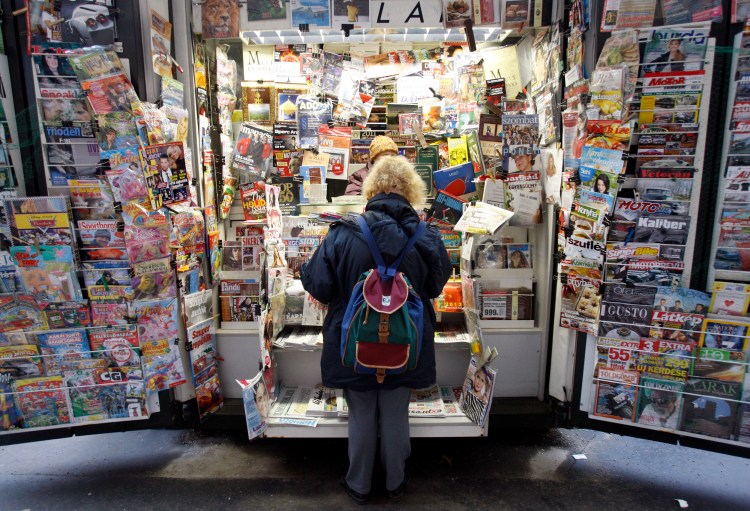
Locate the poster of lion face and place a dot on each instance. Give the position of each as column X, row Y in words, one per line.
column 220, row 18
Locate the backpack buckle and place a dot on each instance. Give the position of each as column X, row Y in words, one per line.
column 384, row 328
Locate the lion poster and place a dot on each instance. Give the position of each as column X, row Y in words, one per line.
column 220, row 19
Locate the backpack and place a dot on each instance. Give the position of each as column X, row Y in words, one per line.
column 382, row 329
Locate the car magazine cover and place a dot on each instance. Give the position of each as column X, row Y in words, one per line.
column 665, row 230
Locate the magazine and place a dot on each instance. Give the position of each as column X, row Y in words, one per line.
column 312, row 113
column 673, row 49
column 85, row 399
column 110, row 94
column 47, row 272
column 256, row 403
column 426, row 402
column 456, row 180
column 616, row 394
column 252, row 158
column 42, row 401
column 153, row 279
column 42, row 220
column 202, row 347
column 659, row 403
column 21, row 312
column 61, row 345
column 477, row 392
column 710, row 407
column 165, row 173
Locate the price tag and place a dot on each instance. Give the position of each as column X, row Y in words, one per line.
column 494, row 307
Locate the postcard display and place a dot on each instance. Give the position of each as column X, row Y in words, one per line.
column 306, row 126
column 103, row 265
column 659, row 355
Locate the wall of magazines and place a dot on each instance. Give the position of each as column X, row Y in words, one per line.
column 661, row 354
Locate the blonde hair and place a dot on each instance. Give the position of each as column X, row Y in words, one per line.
column 394, row 174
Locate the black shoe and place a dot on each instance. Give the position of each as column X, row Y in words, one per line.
column 399, row 491
column 358, row 498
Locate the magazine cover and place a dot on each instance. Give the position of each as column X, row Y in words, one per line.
column 659, row 403
column 259, row 103
column 580, row 304
column 42, row 401
column 165, row 173
column 312, row 113
column 70, row 161
column 724, row 334
column 47, row 272
column 157, row 322
column 676, row 50
column 116, row 131
column 253, row 155
column 71, row 314
column 61, row 111
column 153, row 279
column 110, row 94
column 95, row 64
column 669, row 230
column 198, row 307
column 352, row 12
column 256, row 403
column 730, row 299
column 56, row 346
column 118, row 345
column 658, row 190
column 20, row 361
column 719, row 364
column 21, row 312
column 477, row 392
column 515, row 13
column 100, row 233
column 109, row 304
column 202, row 347
column 336, row 142
column 253, row 197
column 523, row 196
column 286, row 103
column 616, row 394
column 710, row 407
column 85, row 400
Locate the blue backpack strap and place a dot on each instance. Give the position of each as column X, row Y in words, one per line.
column 388, row 272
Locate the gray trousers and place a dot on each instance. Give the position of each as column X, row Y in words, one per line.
column 372, row 412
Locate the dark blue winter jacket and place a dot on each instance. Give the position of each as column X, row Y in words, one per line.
column 343, row 256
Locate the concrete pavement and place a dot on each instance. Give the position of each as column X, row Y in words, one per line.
column 511, row 469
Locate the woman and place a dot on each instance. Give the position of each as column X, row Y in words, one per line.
column 601, row 183
column 518, row 259
column 391, row 188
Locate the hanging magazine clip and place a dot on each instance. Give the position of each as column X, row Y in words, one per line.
column 221, row 243
column 346, row 28
column 304, row 28
column 257, row 310
column 625, row 155
column 331, row 124
column 173, row 264
column 314, row 150
column 585, row 99
column 564, row 279
column 435, row 94
column 188, row 346
column 194, row 182
column 575, row 178
column 606, row 221
column 620, row 179
column 469, row 31
column 568, row 230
